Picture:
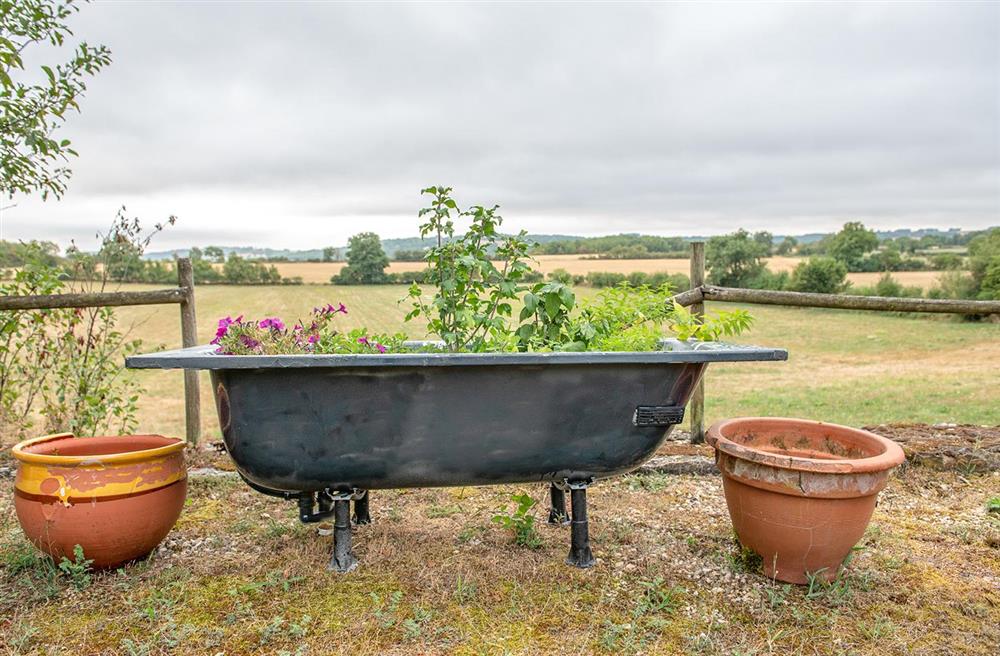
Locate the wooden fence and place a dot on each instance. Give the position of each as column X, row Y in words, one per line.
column 183, row 295
column 694, row 298
column 700, row 292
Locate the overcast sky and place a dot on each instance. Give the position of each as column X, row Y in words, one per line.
column 297, row 125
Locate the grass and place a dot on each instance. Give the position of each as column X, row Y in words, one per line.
column 665, row 581
column 858, row 368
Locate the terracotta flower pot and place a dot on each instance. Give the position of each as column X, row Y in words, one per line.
column 117, row 497
column 800, row 493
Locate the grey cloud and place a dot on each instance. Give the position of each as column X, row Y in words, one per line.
column 660, row 118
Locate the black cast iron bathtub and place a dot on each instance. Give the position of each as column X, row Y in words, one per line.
column 325, row 429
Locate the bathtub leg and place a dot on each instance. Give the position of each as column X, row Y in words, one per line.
column 361, row 515
column 557, row 511
column 343, row 558
column 325, row 501
column 579, row 551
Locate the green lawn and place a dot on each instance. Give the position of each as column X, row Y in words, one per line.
column 857, row 368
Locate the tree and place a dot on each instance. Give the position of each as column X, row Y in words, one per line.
column 331, row 254
column 366, row 261
column 215, row 254
column 823, row 275
column 851, row 243
column 765, row 239
column 787, row 246
column 984, row 263
column 735, row 260
column 32, row 158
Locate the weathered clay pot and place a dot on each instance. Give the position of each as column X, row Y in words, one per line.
column 117, row 497
column 800, row 493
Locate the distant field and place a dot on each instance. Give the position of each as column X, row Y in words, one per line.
column 852, row 367
column 320, row 272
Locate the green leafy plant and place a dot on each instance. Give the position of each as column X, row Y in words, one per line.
column 546, row 323
column 715, row 325
column 520, row 522
column 65, row 365
column 474, row 297
column 386, row 610
column 77, row 570
column 32, row 157
column 993, row 505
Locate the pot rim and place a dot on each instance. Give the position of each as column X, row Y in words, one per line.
column 20, row 453
column 891, row 456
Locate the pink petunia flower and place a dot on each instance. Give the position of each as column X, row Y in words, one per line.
column 223, row 328
column 274, row 323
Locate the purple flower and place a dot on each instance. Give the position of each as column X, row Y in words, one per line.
column 363, row 340
column 249, row 342
column 274, row 323
column 313, row 338
column 224, row 327
column 381, row 349
column 329, row 309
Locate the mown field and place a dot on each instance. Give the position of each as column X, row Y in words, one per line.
column 320, row 272
column 850, row 367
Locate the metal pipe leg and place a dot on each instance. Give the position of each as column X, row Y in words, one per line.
column 579, row 551
column 343, row 559
column 557, row 510
column 361, row 515
column 325, row 501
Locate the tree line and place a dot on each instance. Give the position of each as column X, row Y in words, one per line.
column 739, row 260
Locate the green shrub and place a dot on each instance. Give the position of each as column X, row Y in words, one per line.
column 605, row 279
column 561, row 275
column 823, row 275
column 947, row 261
column 889, row 286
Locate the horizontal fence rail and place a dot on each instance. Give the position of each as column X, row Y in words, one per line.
column 847, row 302
column 93, row 299
column 182, row 295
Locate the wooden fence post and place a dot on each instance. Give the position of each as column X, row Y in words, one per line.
column 697, row 403
column 189, row 337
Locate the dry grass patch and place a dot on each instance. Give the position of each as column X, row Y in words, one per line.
column 239, row 575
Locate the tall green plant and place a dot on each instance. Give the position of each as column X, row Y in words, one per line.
column 64, row 366
column 474, row 298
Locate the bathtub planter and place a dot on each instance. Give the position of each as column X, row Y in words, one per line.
column 325, row 429
column 117, row 497
column 800, row 493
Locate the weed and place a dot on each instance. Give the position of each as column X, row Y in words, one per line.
column 657, row 598
column 437, row 512
column 276, row 529
column 744, row 559
column 877, row 628
column 777, row 595
column 520, row 522
column 465, row 591
column 470, row 533
column 386, row 610
column 835, row 592
column 20, row 637
column 278, row 629
column 653, row 602
column 78, row 569
column 993, row 505
column 414, row 626
column 648, row 482
column 19, row 557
